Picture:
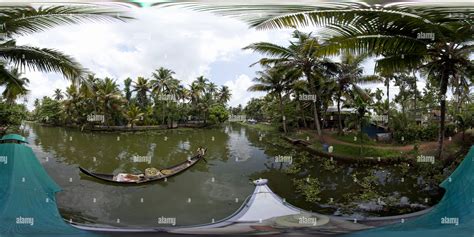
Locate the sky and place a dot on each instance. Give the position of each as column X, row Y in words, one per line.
column 187, row 42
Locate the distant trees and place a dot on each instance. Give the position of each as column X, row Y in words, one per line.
column 160, row 100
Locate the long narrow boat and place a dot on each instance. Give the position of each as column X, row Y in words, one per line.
column 164, row 173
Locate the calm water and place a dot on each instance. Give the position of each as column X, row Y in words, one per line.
column 213, row 190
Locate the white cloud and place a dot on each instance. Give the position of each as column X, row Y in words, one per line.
column 239, row 87
column 185, row 41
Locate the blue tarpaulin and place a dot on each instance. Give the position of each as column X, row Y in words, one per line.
column 27, row 196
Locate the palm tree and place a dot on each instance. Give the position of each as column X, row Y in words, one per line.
column 161, row 83
column 160, row 80
column 15, row 85
column 133, row 115
column 275, row 81
column 199, row 99
column 212, row 89
column 299, row 88
column 71, row 104
column 58, row 94
column 23, row 20
column 432, row 39
column 201, row 81
column 109, row 98
column 302, row 54
column 361, row 102
column 142, row 87
column 128, row 92
column 350, row 74
column 224, row 95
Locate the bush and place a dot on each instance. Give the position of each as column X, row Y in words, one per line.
column 218, row 114
column 421, row 133
column 11, row 115
column 309, row 187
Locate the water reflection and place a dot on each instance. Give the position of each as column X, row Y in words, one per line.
column 209, row 190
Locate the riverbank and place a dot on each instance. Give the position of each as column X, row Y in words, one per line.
column 349, row 148
column 104, row 128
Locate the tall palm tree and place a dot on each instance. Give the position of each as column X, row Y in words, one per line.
column 302, row 54
column 15, row 85
column 436, row 40
column 276, row 82
column 161, row 83
column 109, row 98
column 160, row 80
column 128, row 92
column 350, row 74
column 212, row 89
column 24, row 20
column 299, row 88
column 58, row 94
column 202, row 82
column 142, row 87
column 224, row 95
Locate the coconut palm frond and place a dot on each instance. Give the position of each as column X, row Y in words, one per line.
column 42, row 59
column 21, row 20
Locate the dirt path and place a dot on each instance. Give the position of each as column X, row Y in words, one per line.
column 425, row 146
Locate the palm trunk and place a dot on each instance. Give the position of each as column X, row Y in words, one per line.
column 282, row 113
column 416, row 89
column 388, row 103
column 163, row 116
column 444, row 88
column 315, row 109
column 339, row 118
column 303, row 114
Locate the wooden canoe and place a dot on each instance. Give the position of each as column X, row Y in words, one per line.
column 171, row 171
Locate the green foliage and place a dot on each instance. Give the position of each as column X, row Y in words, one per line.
column 49, row 111
column 253, row 109
column 11, row 115
column 413, row 133
column 328, row 164
column 368, row 185
column 218, row 114
column 309, row 187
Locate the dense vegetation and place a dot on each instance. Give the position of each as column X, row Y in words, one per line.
column 409, row 43
column 160, row 100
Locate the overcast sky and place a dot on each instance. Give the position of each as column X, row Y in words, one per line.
column 190, row 43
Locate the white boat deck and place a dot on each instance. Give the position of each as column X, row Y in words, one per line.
column 264, row 204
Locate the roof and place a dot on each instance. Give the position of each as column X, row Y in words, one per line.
column 14, row 137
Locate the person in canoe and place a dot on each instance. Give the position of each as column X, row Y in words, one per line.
column 200, row 152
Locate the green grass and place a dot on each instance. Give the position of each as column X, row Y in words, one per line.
column 353, row 151
column 350, row 139
column 339, row 149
